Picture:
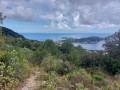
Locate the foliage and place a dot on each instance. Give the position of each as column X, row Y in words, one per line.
column 27, row 44
column 27, row 53
column 51, row 64
column 112, row 45
column 80, row 50
column 18, row 63
column 38, row 56
column 7, row 77
column 69, row 81
column 74, row 58
column 67, row 47
column 112, row 65
column 64, row 67
column 50, row 46
column 92, row 60
column 11, row 33
column 97, row 77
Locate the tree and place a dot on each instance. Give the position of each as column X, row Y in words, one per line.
column 112, row 45
column 80, row 50
column 50, row 46
column 39, row 55
column 112, row 66
column 27, row 44
column 67, row 47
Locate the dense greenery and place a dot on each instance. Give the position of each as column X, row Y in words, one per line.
column 14, row 66
column 112, row 45
column 11, row 33
column 62, row 67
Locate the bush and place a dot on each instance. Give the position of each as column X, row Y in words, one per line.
column 7, row 77
column 99, row 81
column 19, row 64
column 70, row 81
column 27, row 53
column 112, row 66
column 38, row 56
column 97, row 77
column 50, row 47
column 112, row 45
column 80, row 76
column 51, row 64
column 73, row 58
column 67, row 47
column 92, row 60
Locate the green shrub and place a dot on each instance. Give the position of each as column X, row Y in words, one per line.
column 50, row 47
column 7, row 77
column 70, row 81
column 99, row 81
column 51, row 80
column 67, row 47
column 27, row 44
column 27, row 53
column 79, row 75
column 112, row 66
column 51, row 64
column 97, row 77
column 19, row 64
column 38, row 56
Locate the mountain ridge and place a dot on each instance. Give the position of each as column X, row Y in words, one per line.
column 11, row 33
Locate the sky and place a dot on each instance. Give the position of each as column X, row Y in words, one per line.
column 61, row 16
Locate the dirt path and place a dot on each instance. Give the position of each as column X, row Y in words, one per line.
column 31, row 82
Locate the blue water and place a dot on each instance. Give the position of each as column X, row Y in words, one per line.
column 58, row 36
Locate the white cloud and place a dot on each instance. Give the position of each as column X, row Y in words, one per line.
column 54, row 16
column 3, row 5
column 107, row 25
column 65, row 14
column 76, row 19
column 63, row 25
column 20, row 13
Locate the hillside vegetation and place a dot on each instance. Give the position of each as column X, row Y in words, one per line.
column 11, row 33
column 62, row 67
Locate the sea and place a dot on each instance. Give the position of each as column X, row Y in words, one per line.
column 59, row 36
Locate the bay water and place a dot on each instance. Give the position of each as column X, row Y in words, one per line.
column 59, row 36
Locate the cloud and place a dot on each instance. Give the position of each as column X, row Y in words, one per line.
column 20, row 13
column 54, row 16
column 60, row 25
column 76, row 18
column 63, row 25
column 107, row 25
column 65, row 14
column 3, row 5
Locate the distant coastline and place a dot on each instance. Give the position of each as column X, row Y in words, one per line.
column 57, row 37
column 87, row 40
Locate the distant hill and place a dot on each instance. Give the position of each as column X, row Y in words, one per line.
column 87, row 40
column 11, row 33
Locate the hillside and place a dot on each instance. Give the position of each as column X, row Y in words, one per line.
column 28, row 64
column 11, row 33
